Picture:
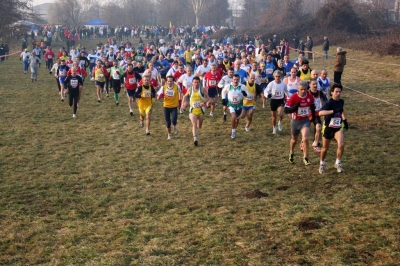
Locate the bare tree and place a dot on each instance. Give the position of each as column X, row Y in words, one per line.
column 199, row 6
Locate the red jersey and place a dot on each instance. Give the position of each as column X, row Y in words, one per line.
column 131, row 80
column 211, row 80
column 153, row 82
column 303, row 112
column 80, row 72
column 177, row 75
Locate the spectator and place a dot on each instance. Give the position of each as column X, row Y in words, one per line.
column 325, row 47
column 338, row 66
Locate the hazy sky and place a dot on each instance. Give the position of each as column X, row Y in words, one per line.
column 38, row 2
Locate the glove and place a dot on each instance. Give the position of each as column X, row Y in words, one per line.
column 346, row 125
column 269, row 96
column 338, row 110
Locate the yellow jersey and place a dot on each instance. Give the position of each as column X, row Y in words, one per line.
column 146, row 99
column 251, row 94
column 171, row 96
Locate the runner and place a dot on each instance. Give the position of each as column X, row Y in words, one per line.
column 62, row 75
column 131, row 79
column 170, row 93
column 226, row 80
column 319, row 99
column 233, row 94
column 334, row 122
column 145, row 95
column 185, row 82
column 210, row 82
column 197, row 100
column 276, row 90
column 116, row 74
column 324, row 82
column 74, row 85
column 300, row 105
column 249, row 103
column 99, row 73
column 34, row 63
column 25, row 58
column 55, row 68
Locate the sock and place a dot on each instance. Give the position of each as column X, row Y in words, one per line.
column 337, row 161
column 233, row 130
column 116, row 97
column 321, row 162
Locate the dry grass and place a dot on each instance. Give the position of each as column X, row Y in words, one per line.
column 96, row 191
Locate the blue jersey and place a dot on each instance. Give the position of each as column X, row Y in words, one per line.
column 243, row 75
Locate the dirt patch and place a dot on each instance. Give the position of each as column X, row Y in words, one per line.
column 282, row 188
column 255, row 194
column 310, row 223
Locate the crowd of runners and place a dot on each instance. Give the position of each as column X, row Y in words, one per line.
column 191, row 78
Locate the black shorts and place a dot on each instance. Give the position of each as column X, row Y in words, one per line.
column 275, row 103
column 212, row 92
column 163, row 76
column 328, row 132
column 317, row 120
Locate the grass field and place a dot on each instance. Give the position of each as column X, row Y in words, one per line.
column 96, row 190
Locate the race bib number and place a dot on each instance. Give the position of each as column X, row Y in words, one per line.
column 92, row 61
column 169, row 93
column 250, row 97
column 49, row 57
column 74, row 83
column 250, row 49
column 70, row 65
column 132, row 81
column 147, row 94
column 116, row 76
column 336, row 122
column 196, row 104
column 235, row 100
column 213, row 83
column 278, row 94
column 270, row 71
column 139, row 58
column 303, row 111
column 62, row 73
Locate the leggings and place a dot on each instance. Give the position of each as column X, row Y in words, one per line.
column 58, row 84
column 49, row 64
column 167, row 115
column 26, row 65
column 73, row 98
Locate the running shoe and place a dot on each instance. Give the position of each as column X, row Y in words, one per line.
column 195, row 141
column 247, row 128
column 211, row 114
column 181, row 111
column 98, row 100
column 91, row 79
column 280, row 128
column 233, row 135
column 291, row 157
column 141, row 123
column 339, row 167
column 147, row 132
column 317, row 149
column 224, row 117
column 117, row 103
column 107, row 94
column 175, row 131
column 169, row 137
column 306, row 161
column 274, row 130
column 62, row 99
column 131, row 112
column 322, row 168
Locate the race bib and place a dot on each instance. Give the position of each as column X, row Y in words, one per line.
column 196, row 104
column 74, row 83
column 132, row 81
column 235, row 100
column 317, row 103
column 147, row 94
column 49, row 57
column 92, row 61
column 250, row 49
column 278, row 94
column 62, row 73
column 336, row 122
column 250, row 97
column 213, row 83
column 169, row 93
column 263, row 80
column 303, row 111
column 70, row 65
column 116, row 76
column 270, row 71
column 139, row 58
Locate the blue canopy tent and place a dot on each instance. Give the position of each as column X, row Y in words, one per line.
column 95, row 23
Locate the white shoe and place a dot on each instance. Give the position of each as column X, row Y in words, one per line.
column 175, row 131
column 280, row 126
column 169, row 137
column 322, row 168
column 274, row 130
column 181, row 111
column 247, row 128
column 91, row 79
column 147, row 132
column 339, row 167
column 233, row 135
column 211, row 114
column 74, row 115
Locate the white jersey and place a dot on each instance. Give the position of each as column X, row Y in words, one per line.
column 224, row 81
column 171, row 71
column 276, row 90
column 186, row 80
column 202, row 70
column 25, row 55
column 291, row 85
